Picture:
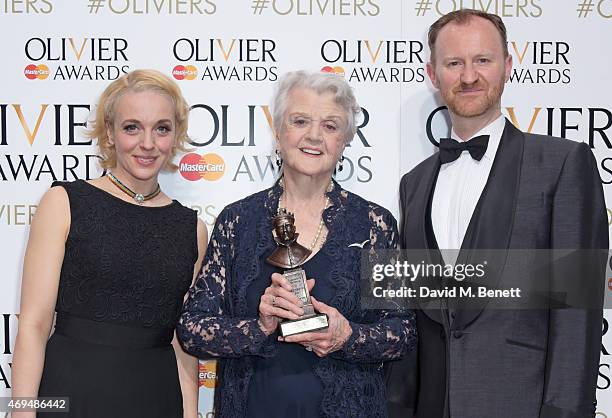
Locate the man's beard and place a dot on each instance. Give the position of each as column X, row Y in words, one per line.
column 470, row 107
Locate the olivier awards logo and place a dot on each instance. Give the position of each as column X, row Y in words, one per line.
column 89, row 59
column 217, row 59
column 375, row 60
column 538, row 62
column 44, row 142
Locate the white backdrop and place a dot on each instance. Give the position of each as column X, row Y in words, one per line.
column 226, row 55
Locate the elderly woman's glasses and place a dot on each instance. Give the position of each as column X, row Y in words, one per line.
column 329, row 126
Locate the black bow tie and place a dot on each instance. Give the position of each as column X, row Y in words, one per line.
column 450, row 149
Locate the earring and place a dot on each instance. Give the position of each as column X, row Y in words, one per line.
column 279, row 159
column 340, row 163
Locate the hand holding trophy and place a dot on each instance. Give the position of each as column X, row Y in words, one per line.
column 290, row 255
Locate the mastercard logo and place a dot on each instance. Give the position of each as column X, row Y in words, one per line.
column 334, row 70
column 195, row 167
column 33, row 72
column 207, row 374
column 185, row 72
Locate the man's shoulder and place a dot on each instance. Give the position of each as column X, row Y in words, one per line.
column 552, row 148
column 417, row 173
column 544, row 141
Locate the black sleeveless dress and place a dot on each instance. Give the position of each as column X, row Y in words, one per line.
column 126, row 269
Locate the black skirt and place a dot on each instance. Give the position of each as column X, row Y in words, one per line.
column 108, row 370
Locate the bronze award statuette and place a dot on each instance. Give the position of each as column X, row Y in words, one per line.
column 290, row 255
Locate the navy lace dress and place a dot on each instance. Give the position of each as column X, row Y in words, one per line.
column 219, row 322
column 285, row 385
column 126, row 269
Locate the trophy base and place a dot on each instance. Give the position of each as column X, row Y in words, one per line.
column 297, row 326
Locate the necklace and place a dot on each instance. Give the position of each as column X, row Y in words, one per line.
column 138, row 197
column 321, row 222
column 319, row 229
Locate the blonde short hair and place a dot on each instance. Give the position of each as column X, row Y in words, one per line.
column 138, row 81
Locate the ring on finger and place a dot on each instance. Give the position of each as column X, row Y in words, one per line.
column 308, row 348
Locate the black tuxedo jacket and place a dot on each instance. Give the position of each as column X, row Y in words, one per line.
column 542, row 192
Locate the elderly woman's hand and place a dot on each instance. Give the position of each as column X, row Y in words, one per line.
column 278, row 302
column 325, row 341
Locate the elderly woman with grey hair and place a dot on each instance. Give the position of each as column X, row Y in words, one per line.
column 239, row 299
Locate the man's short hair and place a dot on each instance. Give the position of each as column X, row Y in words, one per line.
column 462, row 17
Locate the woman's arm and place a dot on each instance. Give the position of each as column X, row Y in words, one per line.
column 380, row 335
column 187, row 364
column 207, row 328
column 389, row 337
column 39, row 287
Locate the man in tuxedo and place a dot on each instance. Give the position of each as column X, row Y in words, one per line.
column 492, row 186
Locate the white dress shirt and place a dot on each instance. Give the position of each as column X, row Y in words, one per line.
column 459, row 186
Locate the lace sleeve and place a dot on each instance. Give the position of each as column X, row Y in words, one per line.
column 206, row 329
column 380, row 335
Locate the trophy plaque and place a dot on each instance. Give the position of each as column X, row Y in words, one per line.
column 290, row 255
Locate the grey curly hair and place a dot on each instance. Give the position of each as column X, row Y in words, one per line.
column 321, row 83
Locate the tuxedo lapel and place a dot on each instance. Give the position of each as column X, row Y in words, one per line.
column 415, row 218
column 418, row 234
column 490, row 227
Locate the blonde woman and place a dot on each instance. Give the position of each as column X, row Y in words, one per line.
column 110, row 260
